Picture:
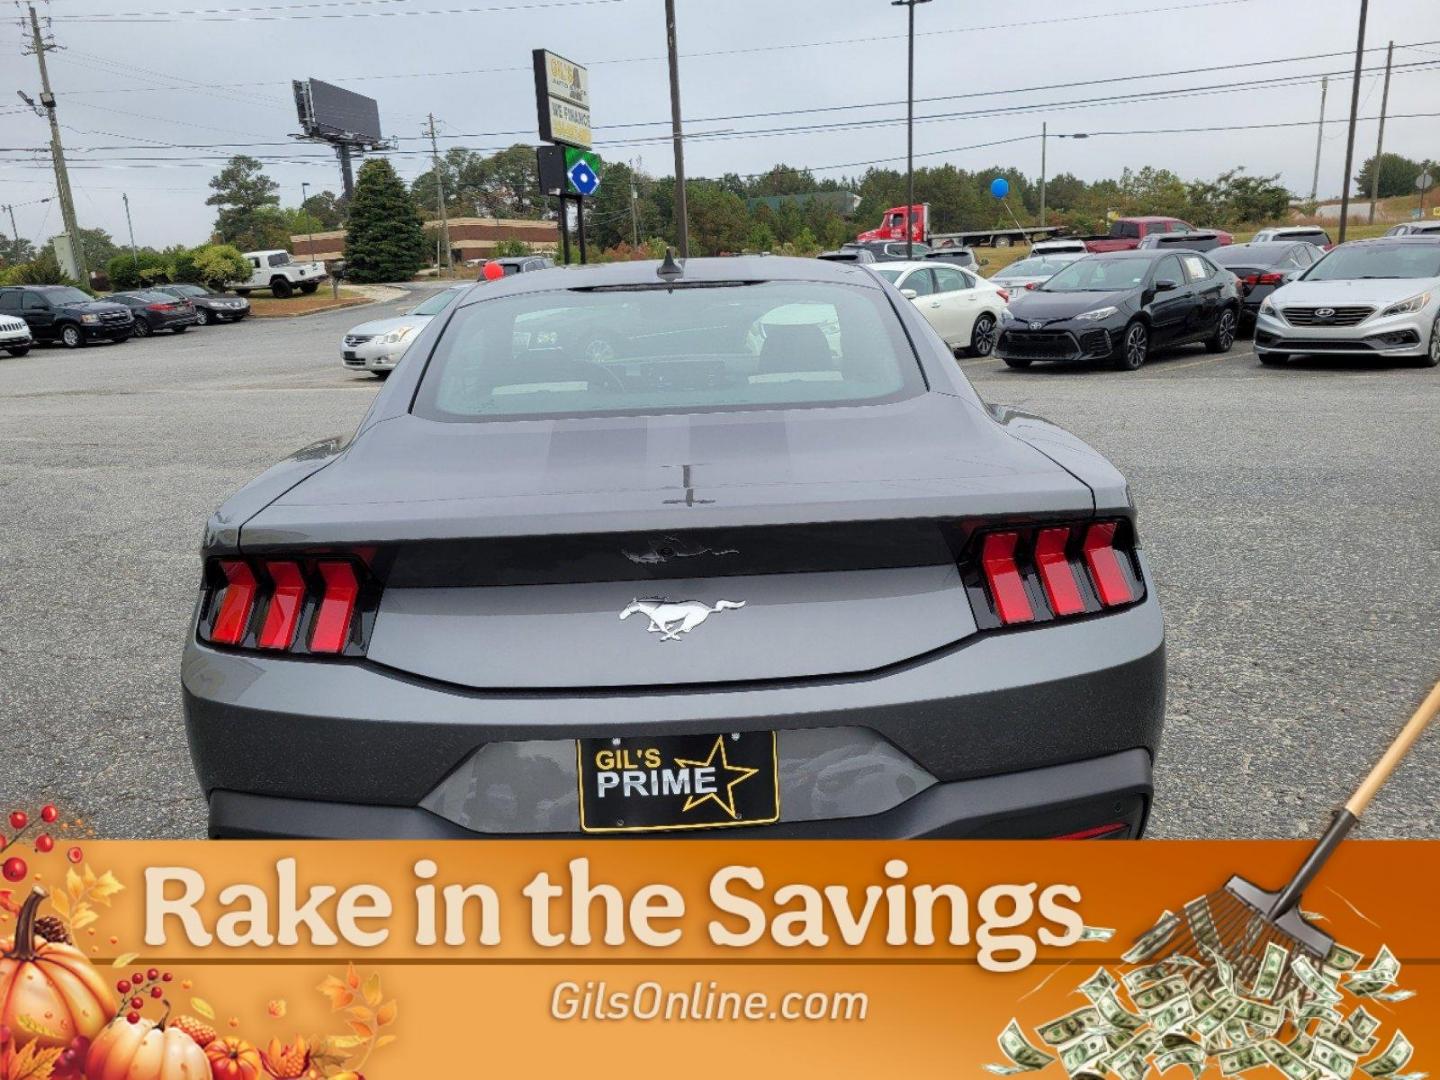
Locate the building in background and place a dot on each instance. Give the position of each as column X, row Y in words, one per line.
column 470, row 238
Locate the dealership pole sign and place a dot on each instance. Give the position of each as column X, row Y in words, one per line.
column 567, row 167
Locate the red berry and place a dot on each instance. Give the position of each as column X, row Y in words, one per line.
column 133, row 1017
column 75, row 854
column 157, row 993
column 166, row 977
column 49, row 814
column 138, row 978
column 14, row 869
column 137, row 1003
column 19, row 819
column 152, row 974
column 44, row 844
column 123, row 986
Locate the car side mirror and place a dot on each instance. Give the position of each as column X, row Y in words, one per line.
column 1166, row 285
column 909, row 294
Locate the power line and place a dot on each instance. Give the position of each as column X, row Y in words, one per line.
column 217, row 14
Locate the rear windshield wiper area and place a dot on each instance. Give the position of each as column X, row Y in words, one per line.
column 662, row 286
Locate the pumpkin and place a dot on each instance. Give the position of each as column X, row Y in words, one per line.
column 145, row 1051
column 49, row 993
column 233, row 1059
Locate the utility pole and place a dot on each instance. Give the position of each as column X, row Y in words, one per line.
column 910, row 129
column 1044, row 132
column 1354, row 111
column 134, row 254
column 305, row 198
column 440, row 197
column 634, row 213
column 682, row 222
column 1380, row 138
column 62, row 179
column 14, row 232
column 1319, row 139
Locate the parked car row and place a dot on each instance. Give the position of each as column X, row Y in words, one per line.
column 73, row 318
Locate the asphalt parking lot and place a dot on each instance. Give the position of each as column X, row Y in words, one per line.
column 1290, row 516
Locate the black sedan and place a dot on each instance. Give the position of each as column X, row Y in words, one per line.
column 1263, row 268
column 766, row 563
column 210, row 306
column 155, row 310
column 1120, row 305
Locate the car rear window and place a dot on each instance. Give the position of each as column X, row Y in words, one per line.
column 656, row 349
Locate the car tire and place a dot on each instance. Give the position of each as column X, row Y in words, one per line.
column 202, row 317
column 309, row 287
column 1134, row 347
column 1017, row 362
column 142, row 328
column 71, row 336
column 1432, row 357
column 1224, row 336
column 983, row 336
column 281, row 289
column 1272, row 359
column 381, row 375
column 20, row 350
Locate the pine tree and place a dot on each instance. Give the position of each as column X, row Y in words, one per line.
column 385, row 240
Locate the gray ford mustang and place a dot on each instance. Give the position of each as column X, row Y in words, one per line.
column 640, row 549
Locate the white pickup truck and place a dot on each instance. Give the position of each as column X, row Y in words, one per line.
column 273, row 270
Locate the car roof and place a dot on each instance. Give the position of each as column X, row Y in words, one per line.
column 746, row 268
column 1148, row 217
column 1400, row 240
column 1134, row 253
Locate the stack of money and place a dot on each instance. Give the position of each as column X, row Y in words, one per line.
column 1196, row 1012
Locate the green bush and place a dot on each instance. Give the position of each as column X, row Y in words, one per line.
column 510, row 249
column 44, row 270
column 217, row 265
column 182, row 263
column 137, row 271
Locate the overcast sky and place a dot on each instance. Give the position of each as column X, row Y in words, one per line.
column 215, row 75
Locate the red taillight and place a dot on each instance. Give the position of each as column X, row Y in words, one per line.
column 304, row 604
column 1007, row 587
column 1096, row 832
column 159, row 307
column 1004, row 294
column 1271, row 279
column 1111, row 584
column 1030, row 286
column 236, row 603
column 1056, row 574
column 285, row 604
column 337, row 607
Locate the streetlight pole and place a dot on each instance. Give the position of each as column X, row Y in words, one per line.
column 682, row 224
column 134, row 255
column 909, row 129
column 1354, row 109
column 1380, row 137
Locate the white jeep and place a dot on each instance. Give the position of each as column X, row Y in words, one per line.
column 273, row 270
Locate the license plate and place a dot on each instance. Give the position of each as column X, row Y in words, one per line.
column 348, row 355
column 674, row 782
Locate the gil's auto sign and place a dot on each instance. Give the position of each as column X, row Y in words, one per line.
column 562, row 99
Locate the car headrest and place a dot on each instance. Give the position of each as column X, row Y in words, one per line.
column 795, row 348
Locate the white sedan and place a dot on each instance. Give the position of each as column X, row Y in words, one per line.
column 963, row 307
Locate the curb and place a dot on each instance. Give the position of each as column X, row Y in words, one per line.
column 321, row 311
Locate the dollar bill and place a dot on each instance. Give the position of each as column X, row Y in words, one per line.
column 1396, row 1056
column 1023, row 1056
column 1083, row 1052
column 1173, row 1015
column 1302, row 1044
column 1378, row 976
column 1191, row 1056
column 1361, row 1022
column 1097, row 933
column 1267, row 1017
column 1317, row 1010
column 1313, row 981
column 1343, row 959
column 1241, row 1059
column 1223, row 971
column 1149, row 973
column 1343, row 1036
column 1272, row 966
column 1102, row 982
column 1071, row 1026
column 1335, row 1060
column 1153, row 940
column 1116, row 1015
column 1154, row 997
column 1391, row 996
column 1213, row 1019
column 1287, row 1061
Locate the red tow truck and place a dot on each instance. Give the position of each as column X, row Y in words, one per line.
column 893, row 221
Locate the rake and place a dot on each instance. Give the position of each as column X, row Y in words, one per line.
column 1240, row 920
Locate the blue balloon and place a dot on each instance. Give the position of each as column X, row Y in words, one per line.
column 999, row 187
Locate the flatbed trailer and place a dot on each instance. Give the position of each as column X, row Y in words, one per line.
column 994, row 237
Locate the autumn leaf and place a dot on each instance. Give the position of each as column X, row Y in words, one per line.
column 365, row 1031
column 277, row 1008
column 339, row 994
column 73, row 885
column 384, row 1040
column 105, row 887
column 344, row 1042
column 372, row 990
column 83, row 917
column 88, row 876
column 33, row 1063
column 124, row 959
column 203, row 1007
column 352, row 977
column 386, row 1013
column 59, row 901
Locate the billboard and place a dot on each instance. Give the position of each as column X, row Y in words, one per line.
column 331, row 112
column 562, row 99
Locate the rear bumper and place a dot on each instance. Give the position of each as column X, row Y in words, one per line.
column 988, row 711
column 1113, row 790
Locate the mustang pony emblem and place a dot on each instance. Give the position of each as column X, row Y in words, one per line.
column 670, row 620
